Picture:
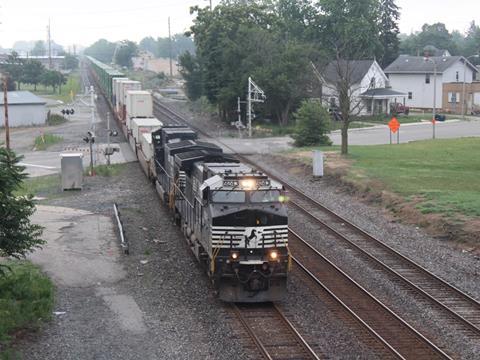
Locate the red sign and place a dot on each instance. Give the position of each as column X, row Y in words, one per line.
column 394, row 125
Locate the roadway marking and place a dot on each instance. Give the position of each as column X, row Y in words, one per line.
column 38, row 166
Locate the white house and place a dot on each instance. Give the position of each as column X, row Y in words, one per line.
column 414, row 75
column 369, row 90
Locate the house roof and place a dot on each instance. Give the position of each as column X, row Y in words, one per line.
column 382, row 93
column 22, row 98
column 417, row 64
column 355, row 69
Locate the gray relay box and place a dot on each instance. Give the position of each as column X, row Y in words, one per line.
column 72, row 171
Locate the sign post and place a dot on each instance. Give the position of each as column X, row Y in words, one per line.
column 394, row 126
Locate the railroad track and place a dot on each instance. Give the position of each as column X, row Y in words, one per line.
column 274, row 336
column 398, row 338
column 462, row 310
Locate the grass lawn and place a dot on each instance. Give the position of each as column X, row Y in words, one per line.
column 41, row 186
column 73, row 85
column 26, row 299
column 42, row 142
column 442, row 172
column 402, row 119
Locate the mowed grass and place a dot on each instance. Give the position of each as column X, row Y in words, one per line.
column 42, row 142
column 444, row 173
column 26, row 299
column 73, row 85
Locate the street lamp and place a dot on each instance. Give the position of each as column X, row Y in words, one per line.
column 464, row 102
column 434, row 92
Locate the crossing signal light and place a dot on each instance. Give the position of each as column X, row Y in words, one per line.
column 68, row 111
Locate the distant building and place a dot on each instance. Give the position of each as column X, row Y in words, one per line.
column 24, row 109
column 414, row 76
column 147, row 61
column 58, row 62
column 370, row 93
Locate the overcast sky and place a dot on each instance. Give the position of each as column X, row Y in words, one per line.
column 85, row 21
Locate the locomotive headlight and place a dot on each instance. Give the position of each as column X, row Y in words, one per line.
column 273, row 255
column 247, row 184
column 234, row 255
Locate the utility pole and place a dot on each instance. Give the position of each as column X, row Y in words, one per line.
column 49, row 46
column 5, row 106
column 108, row 138
column 170, row 46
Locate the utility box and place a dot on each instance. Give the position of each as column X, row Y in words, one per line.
column 72, row 171
column 317, row 163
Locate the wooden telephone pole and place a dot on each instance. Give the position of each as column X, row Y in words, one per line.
column 5, row 107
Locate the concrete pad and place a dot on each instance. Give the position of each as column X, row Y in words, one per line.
column 255, row 145
column 81, row 247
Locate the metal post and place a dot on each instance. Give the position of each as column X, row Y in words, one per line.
column 91, row 157
column 463, row 88
column 5, row 107
column 108, row 138
column 390, row 131
column 434, row 96
column 398, row 136
column 170, row 47
column 239, row 111
column 92, row 106
column 249, row 111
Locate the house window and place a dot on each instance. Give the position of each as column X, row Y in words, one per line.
column 372, row 83
column 474, row 76
column 410, row 95
column 456, row 76
column 454, row 97
column 333, row 102
column 427, row 78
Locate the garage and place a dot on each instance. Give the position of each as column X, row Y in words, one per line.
column 24, row 109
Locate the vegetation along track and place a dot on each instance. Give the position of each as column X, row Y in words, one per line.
column 274, row 336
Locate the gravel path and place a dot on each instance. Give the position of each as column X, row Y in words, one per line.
column 457, row 268
column 182, row 319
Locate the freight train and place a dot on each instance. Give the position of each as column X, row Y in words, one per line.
column 234, row 217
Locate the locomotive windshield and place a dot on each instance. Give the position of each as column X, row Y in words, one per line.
column 266, row 196
column 228, row 196
column 250, row 218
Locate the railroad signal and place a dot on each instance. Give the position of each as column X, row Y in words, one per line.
column 68, row 111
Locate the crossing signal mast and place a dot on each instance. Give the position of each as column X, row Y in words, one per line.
column 255, row 95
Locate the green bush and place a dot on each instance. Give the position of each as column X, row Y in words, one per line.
column 42, row 142
column 55, row 119
column 26, row 299
column 312, row 124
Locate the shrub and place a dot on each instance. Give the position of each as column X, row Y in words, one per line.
column 312, row 124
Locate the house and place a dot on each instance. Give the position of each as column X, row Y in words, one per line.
column 24, row 109
column 369, row 90
column 414, row 75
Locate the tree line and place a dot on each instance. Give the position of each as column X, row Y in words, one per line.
column 29, row 71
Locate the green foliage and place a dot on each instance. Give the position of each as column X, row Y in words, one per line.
column 18, row 235
column 56, row 119
column 32, row 72
column 42, row 142
column 53, row 78
column 13, row 67
column 312, row 124
column 435, row 35
column 26, row 299
column 161, row 46
column 388, row 24
column 108, row 170
column 71, row 62
column 39, row 49
column 102, row 50
column 48, row 185
column 192, row 73
column 124, row 53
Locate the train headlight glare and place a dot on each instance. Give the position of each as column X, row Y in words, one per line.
column 247, row 184
column 234, row 255
column 273, row 255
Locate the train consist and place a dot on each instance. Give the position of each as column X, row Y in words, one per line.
column 234, row 217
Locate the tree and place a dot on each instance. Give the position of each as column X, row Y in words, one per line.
column 11, row 86
column 13, row 67
column 71, row 62
column 192, row 73
column 389, row 16
column 18, row 235
column 102, row 50
column 53, row 78
column 312, row 124
column 124, row 53
column 350, row 30
column 39, row 49
column 435, row 35
column 32, row 72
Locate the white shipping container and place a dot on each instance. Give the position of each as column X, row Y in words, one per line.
column 144, row 125
column 126, row 86
column 115, row 91
column 139, row 104
column 146, row 145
